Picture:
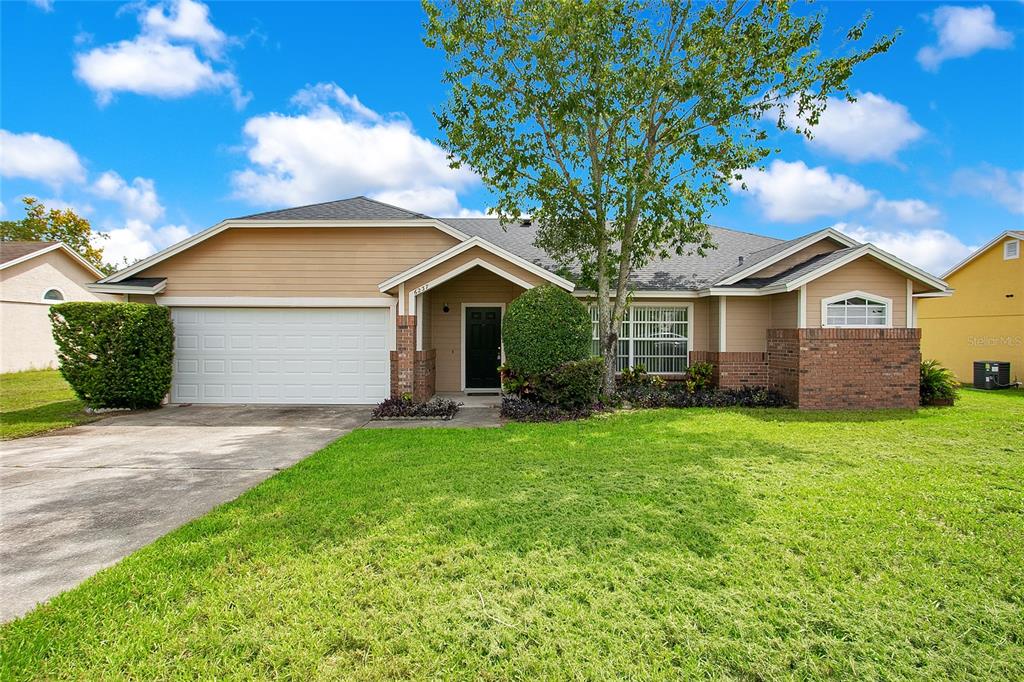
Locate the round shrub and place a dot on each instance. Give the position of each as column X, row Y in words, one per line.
column 544, row 328
column 115, row 354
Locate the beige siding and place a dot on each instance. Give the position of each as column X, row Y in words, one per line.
column 746, row 320
column 801, row 256
column 784, row 314
column 476, row 285
column 864, row 274
column 465, row 257
column 26, row 339
column 301, row 262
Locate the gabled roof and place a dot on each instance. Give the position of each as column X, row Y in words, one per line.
column 14, row 252
column 759, row 260
column 676, row 273
column 462, row 247
column 356, row 208
column 1013, row 234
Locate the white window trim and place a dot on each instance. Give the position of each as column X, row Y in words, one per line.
column 1006, row 249
column 63, row 296
column 856, row 294
column 665, row 304
column 462, row 342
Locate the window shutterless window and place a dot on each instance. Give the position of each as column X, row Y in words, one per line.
column 53, row 296
column 657, row 337
column 857, row 310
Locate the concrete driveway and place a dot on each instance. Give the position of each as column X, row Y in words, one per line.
column 79, row 500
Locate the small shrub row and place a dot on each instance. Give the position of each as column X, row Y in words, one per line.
column 404, row 407
column 570, row 385
column 678, row 396
column 526, row 409
column 521, row 409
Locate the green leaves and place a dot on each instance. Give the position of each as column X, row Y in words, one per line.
column 56, row 225
column 618, row 124
column 115, row 354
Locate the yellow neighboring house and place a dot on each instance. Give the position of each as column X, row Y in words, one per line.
column 984, row 318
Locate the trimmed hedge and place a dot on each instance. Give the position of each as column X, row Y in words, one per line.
column 572, row 385
column 115, row 354
column 543, row 328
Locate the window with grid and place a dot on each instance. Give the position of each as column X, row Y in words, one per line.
column 857, row 311
column 656, row 337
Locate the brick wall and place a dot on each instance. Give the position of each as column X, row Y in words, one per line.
column 830, row 369
column 412, row 371
column 734, row 369
column 424, row 374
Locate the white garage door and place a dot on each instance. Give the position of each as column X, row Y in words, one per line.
column 280, row 355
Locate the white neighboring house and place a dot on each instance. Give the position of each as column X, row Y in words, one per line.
column 34, row 276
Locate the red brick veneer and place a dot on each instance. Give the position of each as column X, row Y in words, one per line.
column 734, row 369
column 828, row 369
column 412, row 371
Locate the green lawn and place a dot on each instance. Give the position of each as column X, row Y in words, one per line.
column 666, row 544
column 37, row 401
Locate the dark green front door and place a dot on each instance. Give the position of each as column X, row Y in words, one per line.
column 483, row 347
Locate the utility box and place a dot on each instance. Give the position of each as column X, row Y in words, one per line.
column 989, row 374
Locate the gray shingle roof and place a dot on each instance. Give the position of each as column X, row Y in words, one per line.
column 14, row 250
column 144, row 282
column 356, row 208
column 810, row 265
column 688, row 271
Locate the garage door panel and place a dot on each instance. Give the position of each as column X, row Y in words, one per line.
column 288, row 355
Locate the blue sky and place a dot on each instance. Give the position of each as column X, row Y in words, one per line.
column 156, row 120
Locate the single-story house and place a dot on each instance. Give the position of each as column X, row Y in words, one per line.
column 984, row 322
column 354, row 300
column 34, row 276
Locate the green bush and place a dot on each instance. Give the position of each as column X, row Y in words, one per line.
column 115, row 354
column 699, row 376
column 572, row 384
column 544, row 328
column 938, row 384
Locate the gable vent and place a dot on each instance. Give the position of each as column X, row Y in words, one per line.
column 1011, row 249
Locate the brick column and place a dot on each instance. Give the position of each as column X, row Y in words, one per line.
column 403, row 358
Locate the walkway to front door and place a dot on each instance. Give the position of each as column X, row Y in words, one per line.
column 482, row 347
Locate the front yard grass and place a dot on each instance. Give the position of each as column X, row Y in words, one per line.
column 739, row 544
column 35, row 402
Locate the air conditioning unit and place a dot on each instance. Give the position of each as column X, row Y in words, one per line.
column 991, row 375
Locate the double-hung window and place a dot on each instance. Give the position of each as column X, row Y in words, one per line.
column 657, row 337
column 857, row 309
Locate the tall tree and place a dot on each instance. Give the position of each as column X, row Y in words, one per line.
column 41, row 224
column 619, row 124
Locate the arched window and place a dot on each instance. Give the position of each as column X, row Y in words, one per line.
column 856, row 309
column 53, row 296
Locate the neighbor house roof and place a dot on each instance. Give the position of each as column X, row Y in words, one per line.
column 10, row 251
column 14, row 252
column 1012, row 234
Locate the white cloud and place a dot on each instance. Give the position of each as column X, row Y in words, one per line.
column 45, row 5
column 906, row 211
column 872, row 128
column 962, row 31
column 187, row 21
column 138, row 239
column 337, row 147
column 793, row 192
column 37, row 157
column 139, row 199
column 156, row 63
column 1003, row 186
column 930, row 249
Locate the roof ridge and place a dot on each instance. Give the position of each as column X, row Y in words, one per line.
column 333, row 201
